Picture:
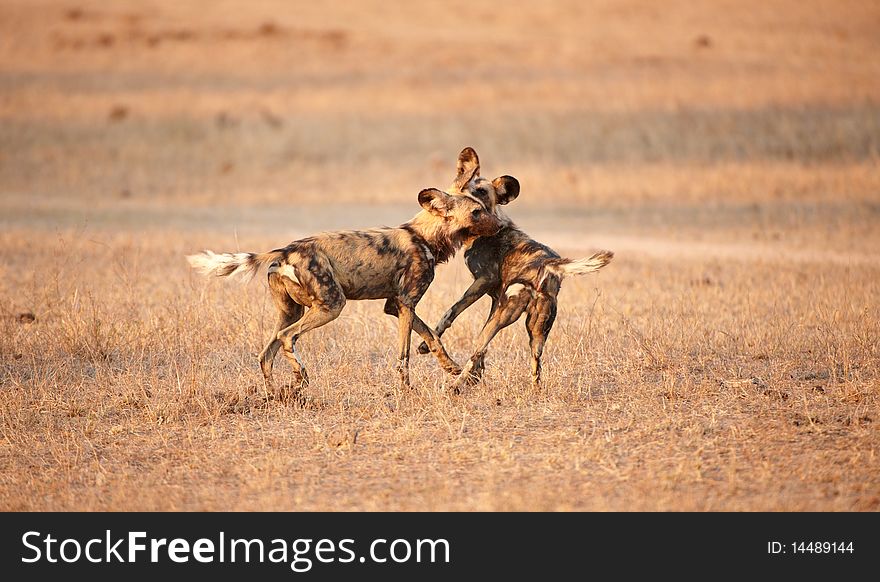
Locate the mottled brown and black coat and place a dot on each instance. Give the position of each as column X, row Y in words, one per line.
column 520, row 274
column 322, row 272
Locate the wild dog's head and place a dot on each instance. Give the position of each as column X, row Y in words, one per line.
column 460, row 217
column 494, row 193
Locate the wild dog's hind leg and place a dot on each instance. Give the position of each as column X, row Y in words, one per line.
column 480, row 364
column 315, row 317
column 510, row 308
column 289, row 312
column 539, row 321
column 316, row 281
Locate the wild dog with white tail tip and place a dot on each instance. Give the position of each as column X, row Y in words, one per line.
column 322, row 272
column 520, row 274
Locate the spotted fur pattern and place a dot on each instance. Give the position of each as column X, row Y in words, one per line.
column 312, row 278
column 520, row 274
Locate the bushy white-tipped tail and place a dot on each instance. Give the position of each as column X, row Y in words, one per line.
column 567, row 267
column 230, row 264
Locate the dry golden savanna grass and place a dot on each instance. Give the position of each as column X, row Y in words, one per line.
column 727, row 359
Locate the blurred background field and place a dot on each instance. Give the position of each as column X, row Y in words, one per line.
column 729, row 152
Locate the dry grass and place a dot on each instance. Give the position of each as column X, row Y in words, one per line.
column 726, row 360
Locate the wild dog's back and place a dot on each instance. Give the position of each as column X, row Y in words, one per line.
column 369, row 264
column 511, row 255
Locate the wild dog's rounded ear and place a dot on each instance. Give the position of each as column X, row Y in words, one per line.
column 468, row 167
column 506, row 189
column 434, row 201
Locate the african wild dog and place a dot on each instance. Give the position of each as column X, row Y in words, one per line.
column 521, row 275
column 397, row 264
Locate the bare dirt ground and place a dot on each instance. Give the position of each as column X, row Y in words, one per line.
column 727, row 359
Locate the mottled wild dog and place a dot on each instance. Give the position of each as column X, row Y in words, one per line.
column 521, row 275
column 321, row 272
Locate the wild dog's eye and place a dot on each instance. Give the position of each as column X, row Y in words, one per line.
column 481, row 191
column 476, row 213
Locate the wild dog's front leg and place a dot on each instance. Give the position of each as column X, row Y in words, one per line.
column 479, row 365
column 405, row 315
column 436, row 346
column 432, row 341
column 477, row 289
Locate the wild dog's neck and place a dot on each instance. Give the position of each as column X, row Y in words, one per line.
column 437, row 234
column 506, row 223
